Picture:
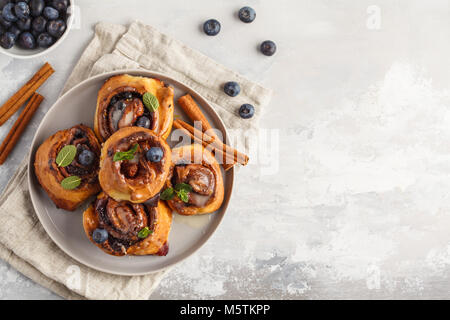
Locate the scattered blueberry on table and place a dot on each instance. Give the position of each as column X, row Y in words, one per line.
column 268, row 48
column 32, row 23
column 246, row 111
column 100, row 235
column 154, row 154
column 211, row 27
column 247, row 14
column 232, row 88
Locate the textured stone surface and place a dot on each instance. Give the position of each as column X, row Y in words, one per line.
column 358, row 206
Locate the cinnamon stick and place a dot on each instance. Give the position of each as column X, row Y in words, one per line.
column 229, row 155
column 226, row 166
column 192, row 110
column 20, row 97
column 19, row 126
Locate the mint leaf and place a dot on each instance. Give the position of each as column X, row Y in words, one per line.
column 144, row 233
column 167, row 194
column 71, row 182
column 150, row 101
column 66, row 155
column 183, row 186
column 126, row 155
column 183, row 195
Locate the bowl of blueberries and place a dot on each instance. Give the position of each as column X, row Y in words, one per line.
column 30, row 28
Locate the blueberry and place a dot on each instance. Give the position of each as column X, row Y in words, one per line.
column 16, row 31
column 60, row 5
column 39, row 24
column 2, row 29
column 100, row 235
column 7, row 40
column 22, row 10
column 44, row 40
column 4, row 3
column 8, row 13
column 56, row 28
column 128, row 95
column 246, row 111
column 232, row 88
column 143, row 122
column 26, row 40
column 37, row 6
column 154, row 154
column 268, row 48
column 24, row 25
column 211, row 27
column 86, row 157
column 4, row 22
column 247, row 14
column 51, row 13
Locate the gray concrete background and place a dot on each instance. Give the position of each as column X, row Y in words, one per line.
column 359, row 205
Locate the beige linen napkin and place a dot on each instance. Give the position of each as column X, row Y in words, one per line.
column 24, row 243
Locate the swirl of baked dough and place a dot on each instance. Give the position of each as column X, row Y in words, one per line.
column 138, row 179
column 50, row 175
column 120, row 104
column 204, row 177
column 124, row 220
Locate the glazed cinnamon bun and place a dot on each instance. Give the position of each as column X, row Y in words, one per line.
column 134, row 164
column 125, row 101
column 123, row 228
column 195, row 183
column 66, row 166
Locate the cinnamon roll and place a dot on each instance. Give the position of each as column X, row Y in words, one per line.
column 134, row 164
column 123, row 228
column 79, row 167
column 195, row 183
column 121, row 103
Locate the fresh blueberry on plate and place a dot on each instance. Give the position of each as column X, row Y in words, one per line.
column 143, row 122
column 86, row 157
column 211, row 27
column 27, row 40
column 100, row 235
column 7, row 40
column 36, row 7
column 8, row 13
column 247, row 14
column 51, row 13
column 232, row 88
column 56, row 28
column 39, row 24
column 24, row 24
column 22, row 10
column 246, row 111
column 154, row 154
column 268, row 48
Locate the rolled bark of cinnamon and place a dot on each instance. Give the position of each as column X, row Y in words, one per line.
column 230, row 155
column 23, row 94
column 19, row 126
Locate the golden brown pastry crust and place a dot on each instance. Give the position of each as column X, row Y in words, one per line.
column 161, row 120
column 106, row 213
column 194, row 159
column 50, row 175
column 116, row 177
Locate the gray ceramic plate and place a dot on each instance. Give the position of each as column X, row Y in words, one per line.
column 188, row 234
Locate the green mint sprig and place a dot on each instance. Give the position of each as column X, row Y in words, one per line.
column 181, row 190
column 126, row 155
